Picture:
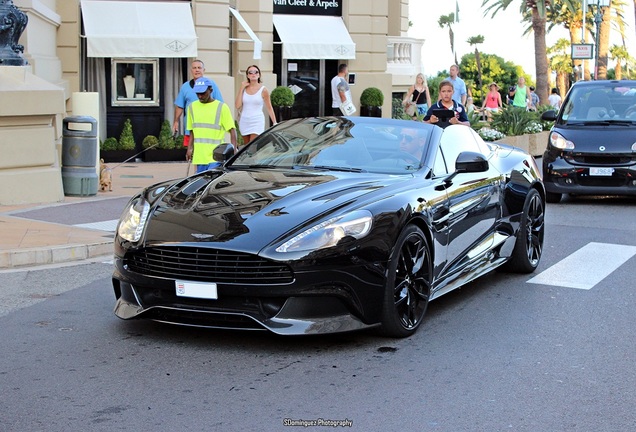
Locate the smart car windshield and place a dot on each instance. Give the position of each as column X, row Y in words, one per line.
column 340, row 144
column 611, row 102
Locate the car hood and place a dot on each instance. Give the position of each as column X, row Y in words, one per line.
column 588, row 139
column 247, row 210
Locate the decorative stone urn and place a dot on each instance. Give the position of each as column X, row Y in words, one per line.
column 12, row 23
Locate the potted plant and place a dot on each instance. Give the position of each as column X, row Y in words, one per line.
column 282, row 99
column 127, row 139
column 109, row 150
column 371, row 101
column 163, row 148
column 114, row 150
column 166, row 148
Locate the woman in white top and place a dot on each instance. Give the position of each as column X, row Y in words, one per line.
column 250, row 100
column 419, row 95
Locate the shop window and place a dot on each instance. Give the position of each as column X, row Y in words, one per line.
column 135, row 82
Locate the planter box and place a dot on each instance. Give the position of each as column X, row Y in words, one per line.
column 282, row 113
column 117, row 155
column 370, row 111
column 535, row 144
column 165, row 155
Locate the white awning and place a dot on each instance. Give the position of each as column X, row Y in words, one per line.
column 139, row 29
column 314, row 37
column 258, row 45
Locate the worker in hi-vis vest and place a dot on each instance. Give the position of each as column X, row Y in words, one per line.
column 208, row 120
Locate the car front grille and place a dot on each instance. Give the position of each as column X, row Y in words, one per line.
column 602, row 160
column 207, row 265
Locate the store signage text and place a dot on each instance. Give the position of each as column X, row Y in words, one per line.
column 308, row 7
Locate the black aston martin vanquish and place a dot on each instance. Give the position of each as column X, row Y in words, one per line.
column 327, row 225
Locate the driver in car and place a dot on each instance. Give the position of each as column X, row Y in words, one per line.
column 412, row 142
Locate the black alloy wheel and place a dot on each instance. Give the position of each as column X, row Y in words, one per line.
column 529, row 244
column 408, row 285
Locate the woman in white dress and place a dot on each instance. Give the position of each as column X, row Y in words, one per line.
column 251, row 98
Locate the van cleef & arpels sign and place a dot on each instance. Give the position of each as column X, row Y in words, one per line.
column 308, row 7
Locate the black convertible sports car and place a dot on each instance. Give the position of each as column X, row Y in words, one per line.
column 329, row 224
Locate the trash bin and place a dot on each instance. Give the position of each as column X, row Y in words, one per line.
column 79, row 154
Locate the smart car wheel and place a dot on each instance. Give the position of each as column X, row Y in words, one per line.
column 529, row 244
column 408, row 284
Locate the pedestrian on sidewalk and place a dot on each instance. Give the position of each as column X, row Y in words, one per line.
column 208, row 122
column 492, row 102
column 250, row 100
column 187, row 95
column 460, row 93
column 419, row 95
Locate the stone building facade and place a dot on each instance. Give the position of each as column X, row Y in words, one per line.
column 83, row 49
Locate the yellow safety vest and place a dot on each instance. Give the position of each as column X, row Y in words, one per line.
column 209, row 122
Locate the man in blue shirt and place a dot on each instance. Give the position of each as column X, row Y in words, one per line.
column 460, row 92
column 187, row 95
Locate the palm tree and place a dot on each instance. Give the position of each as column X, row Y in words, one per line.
column 561, row 63
column 538, row 9
column 476, row 40
column 560, row 15
column 448, row 21
column 620, row 54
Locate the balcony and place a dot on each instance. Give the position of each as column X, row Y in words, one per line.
column 404, row 60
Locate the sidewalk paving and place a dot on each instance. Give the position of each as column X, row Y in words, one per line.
column 77, row 228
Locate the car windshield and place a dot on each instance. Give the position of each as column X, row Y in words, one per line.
column 339, row 144
column 605, row 102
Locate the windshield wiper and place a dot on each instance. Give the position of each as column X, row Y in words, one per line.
column 608, row 122
column 254, row 166
column 336, row 168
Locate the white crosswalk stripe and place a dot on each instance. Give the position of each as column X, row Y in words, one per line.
column 586, row 267
column 109, row 225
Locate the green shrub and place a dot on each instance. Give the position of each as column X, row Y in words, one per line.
column 372, row 97
column 282, row 96
column 178, row 142
column 166, row 141
column 109, row 144
column 150, row 141
column 397, row 110
column 126, row 139
column 512, row 121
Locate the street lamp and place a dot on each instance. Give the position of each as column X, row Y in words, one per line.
column 598, row 18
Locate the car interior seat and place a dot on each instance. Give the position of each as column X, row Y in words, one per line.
column 598, row 105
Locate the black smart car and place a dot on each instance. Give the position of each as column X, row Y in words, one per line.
column 592, row 146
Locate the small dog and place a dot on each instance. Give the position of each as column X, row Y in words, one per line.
column 105, row 177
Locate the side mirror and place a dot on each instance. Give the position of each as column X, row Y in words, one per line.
column 549, row 115
column 471, row 162
column 223, row 152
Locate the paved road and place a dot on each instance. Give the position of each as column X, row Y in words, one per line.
column 503, row 353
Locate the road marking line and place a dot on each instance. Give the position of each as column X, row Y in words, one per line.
column 109, row 225
column 586, row 267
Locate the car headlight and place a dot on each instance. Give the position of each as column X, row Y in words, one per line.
column 356, row 224
column 557, row 140
column 133, row 220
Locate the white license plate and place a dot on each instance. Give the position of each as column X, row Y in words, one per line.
column 601, row 171
column 200, row 290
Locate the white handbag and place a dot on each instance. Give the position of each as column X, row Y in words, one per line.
column 347, row 108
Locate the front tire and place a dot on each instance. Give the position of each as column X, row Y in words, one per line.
column 408, row 284
column 529, row 244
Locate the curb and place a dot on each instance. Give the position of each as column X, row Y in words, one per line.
column 24, row 258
